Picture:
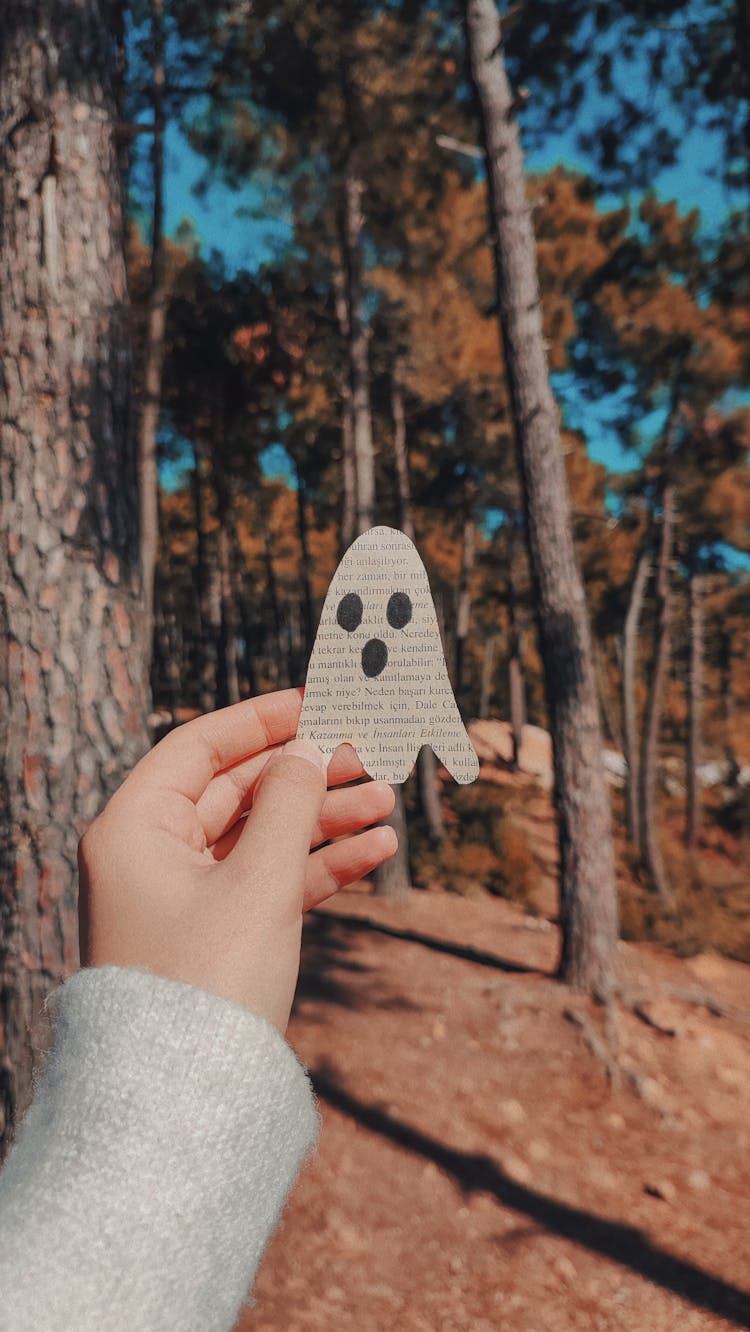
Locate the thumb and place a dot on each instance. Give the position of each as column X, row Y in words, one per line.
column 275, row 843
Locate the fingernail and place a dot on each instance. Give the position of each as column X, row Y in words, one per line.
column 305, row 749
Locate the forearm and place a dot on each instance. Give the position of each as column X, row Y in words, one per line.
column 164, row 1136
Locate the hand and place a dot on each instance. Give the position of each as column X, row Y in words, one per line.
column 176, row 879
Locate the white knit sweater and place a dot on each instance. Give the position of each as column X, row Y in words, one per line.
column 166, row 1131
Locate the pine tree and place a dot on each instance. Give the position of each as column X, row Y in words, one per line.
column 72, row 642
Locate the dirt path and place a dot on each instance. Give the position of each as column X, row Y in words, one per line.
column 477, row 1170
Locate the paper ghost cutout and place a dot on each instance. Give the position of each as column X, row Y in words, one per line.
column 377, row 677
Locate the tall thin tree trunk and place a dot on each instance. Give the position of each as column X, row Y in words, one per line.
column 148, row 481
column 488, row 673
column 73, row 683
column 516, row 684
column 463, row 600
column 401, row 458
column 282, row 657
column 427, row 779
column 727, row 698
column 209, row 604
column 227, row 679
column 393, row 879
column 695, row 712
column 588, row 909
column 629, row 709
column 650, row 846
column 308, row 608
column 357, row 346
column 348, row 526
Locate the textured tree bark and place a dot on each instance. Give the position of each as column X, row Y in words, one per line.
column 651, row 854
column 363, row 449
column 73, row 687
column 516, row 684
column 488, row 674
column 727, row 699
column 588, row 910
column 629, row 709
column 427, row 782
column 148, row 481
column 463, row 600
column 348, row 527
column 695, row 713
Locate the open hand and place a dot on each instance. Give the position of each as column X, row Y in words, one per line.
column 202, row 863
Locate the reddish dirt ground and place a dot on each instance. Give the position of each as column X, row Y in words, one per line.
column 477, row 1168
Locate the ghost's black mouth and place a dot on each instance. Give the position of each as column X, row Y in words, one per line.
column 374, row 657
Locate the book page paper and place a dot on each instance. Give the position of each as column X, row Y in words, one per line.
column 377, row 678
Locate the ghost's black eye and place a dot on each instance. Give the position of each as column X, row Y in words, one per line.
column 349, row 613
column 399, row 610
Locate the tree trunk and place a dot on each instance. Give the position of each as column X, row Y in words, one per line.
column 401, row 459
column 227, row 679
column 308, row 608
column 727, row 699
column 348, row 527
column 209, row 598
column 392, row 879
column 488, row 673
column 463, row 601
column 73, row 683
column 358, row 353
column 427, row 781
column 148, row 480
column 588, row 909
column 629, row 709
column 650, row 846
column 695, row 712
column 284, row 674
column 516, row 685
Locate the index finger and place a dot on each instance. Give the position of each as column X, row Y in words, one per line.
column 186, row 760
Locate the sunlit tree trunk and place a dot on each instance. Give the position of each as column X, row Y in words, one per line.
column 463, row 600
column 73, row 680
column 516, row 683
column 695, row 711
column 148, row 481
column 588, row 910
column 650, row 844
column 629, row 708
column 358, row 352
column 427, row 779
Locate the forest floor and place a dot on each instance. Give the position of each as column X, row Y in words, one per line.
column 499, row 1153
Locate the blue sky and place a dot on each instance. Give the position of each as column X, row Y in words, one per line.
column 248, row 232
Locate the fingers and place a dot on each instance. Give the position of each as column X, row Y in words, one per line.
column 271, row 853
column 186, row 759
column 341, row 863
column 349, row 810
column 343, row 813
column 230, row 793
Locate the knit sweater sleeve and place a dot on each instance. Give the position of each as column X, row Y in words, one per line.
column 165, row 1133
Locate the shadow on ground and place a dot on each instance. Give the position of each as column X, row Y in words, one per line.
column 475, row 1172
